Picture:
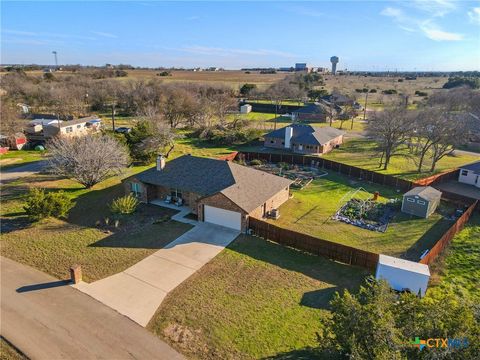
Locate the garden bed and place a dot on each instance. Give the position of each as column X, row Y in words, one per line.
column 367, row 214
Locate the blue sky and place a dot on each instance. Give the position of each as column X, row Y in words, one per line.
column 375, row 35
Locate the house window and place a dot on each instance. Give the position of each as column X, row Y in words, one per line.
column 68, row 129
column 135, row 188
column 464, row 173
column 410, row 200
column 175, row 193
column 420, row 202
column 283, row 142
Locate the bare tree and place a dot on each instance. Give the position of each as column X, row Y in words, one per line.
column 10, row 120
column 391, row 128
column 89, row 159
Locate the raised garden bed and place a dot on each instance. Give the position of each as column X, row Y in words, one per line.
column 367, row 214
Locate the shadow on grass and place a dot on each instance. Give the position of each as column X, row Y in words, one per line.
column 339, row 276
column 428, row 240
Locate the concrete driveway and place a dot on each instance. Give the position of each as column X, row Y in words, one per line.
column 138, row 291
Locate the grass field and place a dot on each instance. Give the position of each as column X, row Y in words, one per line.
column 362, row 153
column 459, row 264
column 84, row 238
column 310, row 211
column 256, row 299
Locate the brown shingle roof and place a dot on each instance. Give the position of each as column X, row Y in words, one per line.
column 248, row 188
column 425, row 192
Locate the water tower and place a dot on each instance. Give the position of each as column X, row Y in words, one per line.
column 334, row 61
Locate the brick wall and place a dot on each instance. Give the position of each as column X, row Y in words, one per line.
column 272, row 203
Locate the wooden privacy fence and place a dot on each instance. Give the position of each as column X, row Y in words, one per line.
column 349, row 170
column 328, row 249
column 448, row 236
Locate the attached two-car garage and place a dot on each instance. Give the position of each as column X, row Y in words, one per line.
column 228, row 218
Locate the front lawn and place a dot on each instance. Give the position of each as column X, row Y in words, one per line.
column 84, row 238
column 459, row 265
column 310, row 211
column 255, row 299
column 362, row 153
column 19, row 157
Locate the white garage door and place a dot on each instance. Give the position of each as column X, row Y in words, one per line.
column 227, row 218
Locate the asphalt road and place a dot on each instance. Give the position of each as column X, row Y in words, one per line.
column 22, row 171
column 47, row 319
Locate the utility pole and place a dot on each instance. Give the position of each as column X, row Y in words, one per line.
column 113, row 116
column 365, row 108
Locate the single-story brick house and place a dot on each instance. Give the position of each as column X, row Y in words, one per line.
column 421, row 201
column 314, row 112
column 217, row 191
column 305, row 139
column 470, row 174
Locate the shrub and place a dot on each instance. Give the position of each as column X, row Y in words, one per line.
column 124, row 205
column 255, row 162
column 389, row 92
column 373, row 91
column 420, row 93
column 40, row 204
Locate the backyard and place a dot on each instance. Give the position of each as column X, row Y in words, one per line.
column 256, row 299
column 310, row 211
column 458, row 265
column 89, row 236
column 362, row 153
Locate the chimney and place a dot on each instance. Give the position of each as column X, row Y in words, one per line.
column 160, row 162
column 288, row 136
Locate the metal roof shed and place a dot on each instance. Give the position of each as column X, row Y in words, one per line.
column 403, row 274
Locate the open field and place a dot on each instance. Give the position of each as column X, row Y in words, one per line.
column 362, row 153
column 348, row 84
column 310, row 211
column 53, row 245
column 458, row 265
column 256, row 299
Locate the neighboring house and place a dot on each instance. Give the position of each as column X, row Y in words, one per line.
column 305, row 139
column 315, row 112
column 339, row 99
column 470, row 174
column 45, row 129
column 217, row 191
column 421, row 201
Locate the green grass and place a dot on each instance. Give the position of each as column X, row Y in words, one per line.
column 310, row 211
column 19, row 157
column 459, row 264
column 255, row 299
column 362, row 153
column 53, row 245
column 283, row 102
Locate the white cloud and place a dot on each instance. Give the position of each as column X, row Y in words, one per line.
column 474, row 15
column 436, row 8
column 433, row 32
column 393, row 12
column 104, row 34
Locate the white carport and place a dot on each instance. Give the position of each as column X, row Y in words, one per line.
column 403, row 274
